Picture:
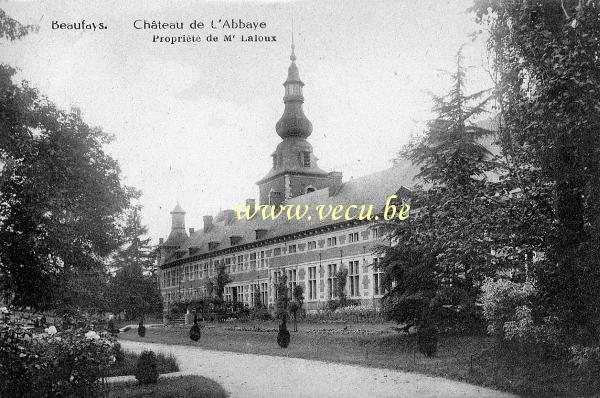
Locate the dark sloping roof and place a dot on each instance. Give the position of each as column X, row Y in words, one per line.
column 372, row 189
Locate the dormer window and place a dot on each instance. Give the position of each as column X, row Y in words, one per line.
column 306, row 159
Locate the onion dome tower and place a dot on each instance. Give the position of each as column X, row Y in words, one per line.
column 295, row 171
column 293, row 122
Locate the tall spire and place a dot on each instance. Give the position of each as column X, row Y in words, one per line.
column 293, row 122
column 293, row 56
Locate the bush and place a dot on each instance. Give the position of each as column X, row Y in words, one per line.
column 501, row 298
column 195, row 332
column 260, row 314
column 164, row 364
column 65, row 364
column 141, row 330
column 119, row 354
column 586, row 359
column 18, row 362
column 173, row 387
column 427, row 339
column 283, row 337
column 146, row 371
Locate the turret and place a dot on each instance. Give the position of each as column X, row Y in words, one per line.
column 293, row 122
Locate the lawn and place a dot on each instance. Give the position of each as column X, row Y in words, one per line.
column 164, row 364
column 174, row 387
column 361, row 344
column 472, row 358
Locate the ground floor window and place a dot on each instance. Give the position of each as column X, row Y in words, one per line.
column 377, row 278
column 331, row 278
column 312, row 283
column 291, row 282
column 240, row 294
column 264, row 294
column 353, row 275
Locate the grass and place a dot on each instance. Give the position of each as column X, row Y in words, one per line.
column 473, row 359
column 174, row 387
column 164, row 364
column 386, row 348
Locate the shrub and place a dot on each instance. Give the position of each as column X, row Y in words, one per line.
column 119, row 354
column 18, row 362
column 68, row 363
column 141, row 330
column 333, row 305
column 146, row 371
column 260, row 314
column 501, row 298
column 586, row 359
column 111, row 328
column 283, row 337
column 427, row 339
column 195, row 332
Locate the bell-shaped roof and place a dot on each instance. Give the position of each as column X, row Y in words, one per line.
column 293, row 122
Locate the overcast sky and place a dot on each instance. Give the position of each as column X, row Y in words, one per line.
column 195, row 122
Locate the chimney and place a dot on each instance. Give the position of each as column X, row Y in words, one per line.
column 208, row 223
column 228, row 216
column 161, row 241
column 335, row 182
column 191, row 231
column 251, row 203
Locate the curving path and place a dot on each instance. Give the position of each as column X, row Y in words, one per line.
column 251, row 375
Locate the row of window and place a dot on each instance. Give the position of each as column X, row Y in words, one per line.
column 237, row 264
column 253, row 294
column 249, row 293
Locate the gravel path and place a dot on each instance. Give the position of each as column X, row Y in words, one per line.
column 250, row 375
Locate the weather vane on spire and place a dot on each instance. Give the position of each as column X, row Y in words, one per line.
column 293, row 56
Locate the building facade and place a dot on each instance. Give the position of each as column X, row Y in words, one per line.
column 310, row 252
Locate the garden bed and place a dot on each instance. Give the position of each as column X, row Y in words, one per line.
column 174, row 387
column 127, row 365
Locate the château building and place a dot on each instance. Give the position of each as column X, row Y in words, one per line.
column 310, row 252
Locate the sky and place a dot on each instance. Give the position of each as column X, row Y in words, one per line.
column 195, row 122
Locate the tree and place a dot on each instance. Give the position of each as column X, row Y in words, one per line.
column 138, row 249
column 60, row 194
column 296, row 304
column 340, row 286
column 442, row 251
column 257, row 303
column 134, row 293
column 283, row 299
column 545, row 57
column 221, row 280
column 134, row 288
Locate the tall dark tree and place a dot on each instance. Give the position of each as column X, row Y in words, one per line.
column 60, row 193
column 545, row 55
column 138, row 249
column 134, row 288
column 441, row 252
